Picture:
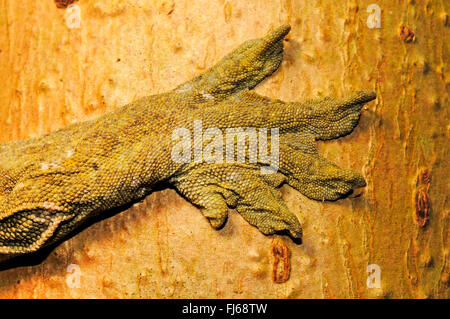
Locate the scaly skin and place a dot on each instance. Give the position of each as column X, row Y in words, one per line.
column 51, row 184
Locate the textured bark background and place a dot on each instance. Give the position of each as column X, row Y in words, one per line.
column 53, row 74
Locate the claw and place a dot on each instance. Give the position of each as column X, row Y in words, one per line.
column 358, row 98
column 277, row 34
column 271, row 39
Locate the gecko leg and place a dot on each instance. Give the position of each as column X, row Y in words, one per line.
column 258, row 201
column 118, row 158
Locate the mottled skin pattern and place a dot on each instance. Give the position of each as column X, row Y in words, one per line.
column 51, row 184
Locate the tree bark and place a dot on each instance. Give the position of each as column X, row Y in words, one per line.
column 54, row 72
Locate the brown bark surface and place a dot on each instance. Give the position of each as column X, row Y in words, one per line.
column 52, row 75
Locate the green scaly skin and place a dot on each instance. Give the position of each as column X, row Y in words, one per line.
column 50, row 185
